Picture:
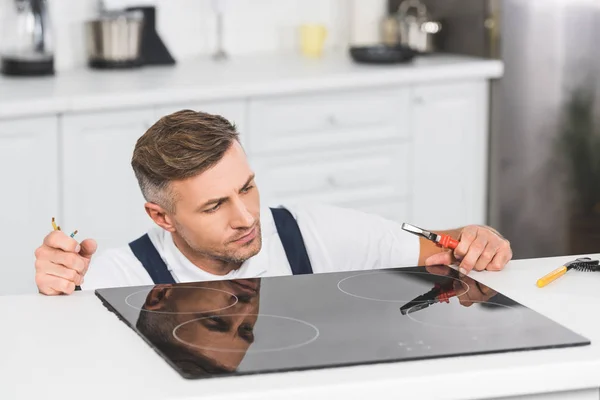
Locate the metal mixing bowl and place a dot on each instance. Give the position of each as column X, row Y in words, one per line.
column 114, row 40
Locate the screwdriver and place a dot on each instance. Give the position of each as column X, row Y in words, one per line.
column 445, row 241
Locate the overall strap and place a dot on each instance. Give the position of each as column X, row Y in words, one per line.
column 145, row 251
column 291, row 238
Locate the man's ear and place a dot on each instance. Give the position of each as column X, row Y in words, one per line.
column 160, row 216
column 157, row 297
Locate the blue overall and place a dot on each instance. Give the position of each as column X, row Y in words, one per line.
column 287, row 228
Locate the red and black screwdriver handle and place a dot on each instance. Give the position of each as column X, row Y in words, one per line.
column 447, row 241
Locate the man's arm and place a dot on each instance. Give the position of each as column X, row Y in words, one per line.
column 479, row 248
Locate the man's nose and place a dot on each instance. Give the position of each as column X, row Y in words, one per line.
column 241, row 217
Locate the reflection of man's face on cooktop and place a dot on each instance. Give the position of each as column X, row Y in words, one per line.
column 212, row 321
column 326, row 320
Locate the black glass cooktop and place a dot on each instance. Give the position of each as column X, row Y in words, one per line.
column 250, row 326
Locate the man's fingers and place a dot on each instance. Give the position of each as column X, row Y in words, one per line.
column 69, row 260
column 53, row 285
column 88, row 248
column 486, row 257
column 502, row 257
column 56, row 256
column 443, row 258
column 467, row 237
column 61, row 285
column 49, row 268
column 58, row 240
column 61, row 263
column 48, row 291
column 474, row 252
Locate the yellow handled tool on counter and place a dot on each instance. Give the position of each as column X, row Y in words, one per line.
column 584, row 264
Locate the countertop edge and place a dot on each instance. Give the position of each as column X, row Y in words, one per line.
column 490, row 384
column 469, row 69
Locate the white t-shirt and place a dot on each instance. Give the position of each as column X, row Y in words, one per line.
column 336, row 239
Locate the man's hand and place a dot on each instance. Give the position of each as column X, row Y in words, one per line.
column 61, row 263
column 479, row 248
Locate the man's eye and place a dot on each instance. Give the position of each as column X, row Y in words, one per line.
column 247, row 189
column 213, row 209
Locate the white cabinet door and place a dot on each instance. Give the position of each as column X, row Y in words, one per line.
column 29, row 200
column 450, row 135
column 232, row 110
column 370, row 178
column 101, row 196
column 314, row 121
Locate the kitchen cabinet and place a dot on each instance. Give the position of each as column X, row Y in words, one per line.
column 369, row 178
column 311, row 122
column 100, row 193
column 414, row 152
column 348, row 148
column 30, row 198
column 450, row 154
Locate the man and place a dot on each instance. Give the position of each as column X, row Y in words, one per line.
column 202, row 195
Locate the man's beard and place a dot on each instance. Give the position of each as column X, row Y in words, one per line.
column 229, row 256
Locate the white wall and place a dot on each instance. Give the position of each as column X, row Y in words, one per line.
column 187, row 26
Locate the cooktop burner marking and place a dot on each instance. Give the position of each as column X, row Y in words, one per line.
column 314, row 334
column 139, row 308
column 403, row 300
column 491, row 322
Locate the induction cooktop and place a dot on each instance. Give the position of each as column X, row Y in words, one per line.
column 249, row 326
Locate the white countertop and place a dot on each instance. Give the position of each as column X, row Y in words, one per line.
column 206, row 80
column 72, row 347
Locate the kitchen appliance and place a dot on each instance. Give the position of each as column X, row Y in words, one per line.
column 154, row 50
column 548, row 49
column 125, row 38
column 27, row 39
column 249, row 326
column 114, row 39
column 416, row 28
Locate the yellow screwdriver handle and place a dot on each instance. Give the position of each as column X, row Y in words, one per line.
column 557, row 273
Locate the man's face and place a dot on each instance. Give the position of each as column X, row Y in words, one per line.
column 217, row 213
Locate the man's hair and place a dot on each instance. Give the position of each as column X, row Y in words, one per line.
column 179, row 146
